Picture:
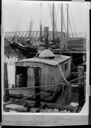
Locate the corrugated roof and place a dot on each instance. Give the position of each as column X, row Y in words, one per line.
column 46, row 53
column 57, row 60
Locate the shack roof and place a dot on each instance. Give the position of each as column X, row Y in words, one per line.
column 55, row 61
column 46, row 53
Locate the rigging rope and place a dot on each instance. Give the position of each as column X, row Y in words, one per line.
column 71, row 27
column 62, row 74
column 76, row 79
column 40, row 92
column 73, row 22
column 30, row 96
column 63, row 20
column 56, row 19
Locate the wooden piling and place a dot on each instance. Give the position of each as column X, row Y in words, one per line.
column 37, row 84
column 6, row 92
column 81, row 86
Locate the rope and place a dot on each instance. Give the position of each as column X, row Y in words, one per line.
column 30, row 96
column 73, row 22
column 62, row 74
column 31, row 87
column 76, row 79
column 63, row 77
column 71, row 27
column 41, row 92
column 68, row 82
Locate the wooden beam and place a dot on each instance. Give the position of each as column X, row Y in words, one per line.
column 46, row 31
column 37, row 84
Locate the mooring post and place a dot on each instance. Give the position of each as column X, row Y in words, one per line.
column 6, row 92
column 37, row 86
column 81, row 85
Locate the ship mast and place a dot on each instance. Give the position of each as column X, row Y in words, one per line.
column 67, row 25
column 29, row 35
column 67, row 22
column 40, row 25
column 61, row 19
column 61, row 10
column 53, row 24
column 30, row 29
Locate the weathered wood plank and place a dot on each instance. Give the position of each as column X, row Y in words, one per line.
column 37, row 84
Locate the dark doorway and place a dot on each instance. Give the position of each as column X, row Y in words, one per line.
column 77, row 58
column 21, row 76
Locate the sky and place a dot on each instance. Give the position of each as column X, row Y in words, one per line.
column 17, row 15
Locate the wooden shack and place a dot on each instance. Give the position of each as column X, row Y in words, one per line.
column 50, row 73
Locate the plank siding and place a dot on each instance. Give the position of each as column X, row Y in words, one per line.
column 30, row 80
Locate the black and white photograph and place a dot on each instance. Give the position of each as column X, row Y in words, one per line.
column 45, row 65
